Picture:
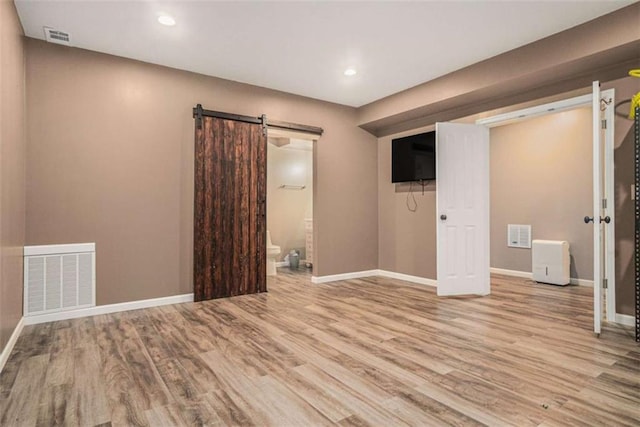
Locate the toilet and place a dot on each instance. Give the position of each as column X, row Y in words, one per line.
column 272, row 253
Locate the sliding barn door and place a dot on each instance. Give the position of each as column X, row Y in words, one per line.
column 230, row 210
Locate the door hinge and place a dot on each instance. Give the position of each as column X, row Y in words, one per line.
column 605, row 284
column 604, row 123
column 604, row 203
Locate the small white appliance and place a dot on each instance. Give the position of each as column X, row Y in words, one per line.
column 550, row 261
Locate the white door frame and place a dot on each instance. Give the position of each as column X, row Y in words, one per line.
column 273, row 132
column 598, row 197
column 609, row 176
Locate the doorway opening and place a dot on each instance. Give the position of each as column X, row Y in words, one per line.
column 230, row 201
column 597, row 122
column 463, row 199
column 290, row 201
column 541, row 188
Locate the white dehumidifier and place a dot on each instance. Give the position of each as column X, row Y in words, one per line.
column 550, row 260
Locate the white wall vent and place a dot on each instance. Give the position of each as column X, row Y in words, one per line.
column 59, row 278
column 57, row 36
column 518, row 236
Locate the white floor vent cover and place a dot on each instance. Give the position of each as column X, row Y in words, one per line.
column 59, row 278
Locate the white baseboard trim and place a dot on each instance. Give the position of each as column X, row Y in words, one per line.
column 8, row 348
column 408, row 278
column 582, row 282
column 282, row 264
column 513, row 273
column 625, row 319
column 528, row 275
column 105, row 309
column 373, row 273
column 343, row 276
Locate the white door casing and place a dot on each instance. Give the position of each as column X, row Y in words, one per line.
column 462, row 208
column 597, row 210
column 609, row 243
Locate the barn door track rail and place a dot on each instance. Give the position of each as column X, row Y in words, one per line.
column 199, row 113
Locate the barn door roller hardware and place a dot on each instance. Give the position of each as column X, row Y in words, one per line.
column 199, row 113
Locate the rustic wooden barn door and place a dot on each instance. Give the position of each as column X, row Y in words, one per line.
column 230, row 207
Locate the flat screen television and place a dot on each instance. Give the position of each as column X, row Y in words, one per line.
column 413, row 158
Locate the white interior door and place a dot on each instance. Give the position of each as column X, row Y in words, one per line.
column 597, row 210
column 462, row 209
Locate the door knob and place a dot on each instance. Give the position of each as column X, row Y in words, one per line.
column 606, row 219
column 443, row 217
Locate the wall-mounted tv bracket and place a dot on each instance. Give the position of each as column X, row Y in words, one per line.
column 199, row 113
column 423, row 183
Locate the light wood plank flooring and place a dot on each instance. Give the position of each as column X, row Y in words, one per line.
column 373, row 351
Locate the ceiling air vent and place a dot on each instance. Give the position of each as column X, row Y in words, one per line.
column 56, row 36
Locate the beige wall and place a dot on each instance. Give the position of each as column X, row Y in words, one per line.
column 541, row 174
column 407, row 239
column 110, row 160
column 287, row 208
column 12, row 169
column 523, row 157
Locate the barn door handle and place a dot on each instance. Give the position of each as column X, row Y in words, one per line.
column 263, row 208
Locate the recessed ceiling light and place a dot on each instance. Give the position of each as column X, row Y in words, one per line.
column 167, row 20
column 350, row 72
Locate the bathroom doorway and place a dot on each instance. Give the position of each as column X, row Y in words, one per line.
column 289, row 201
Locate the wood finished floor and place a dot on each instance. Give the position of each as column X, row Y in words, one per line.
column 372, row 351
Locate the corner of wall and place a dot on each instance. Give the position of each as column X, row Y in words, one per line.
column 12, row 172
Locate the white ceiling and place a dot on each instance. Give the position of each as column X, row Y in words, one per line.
column 304, row 47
